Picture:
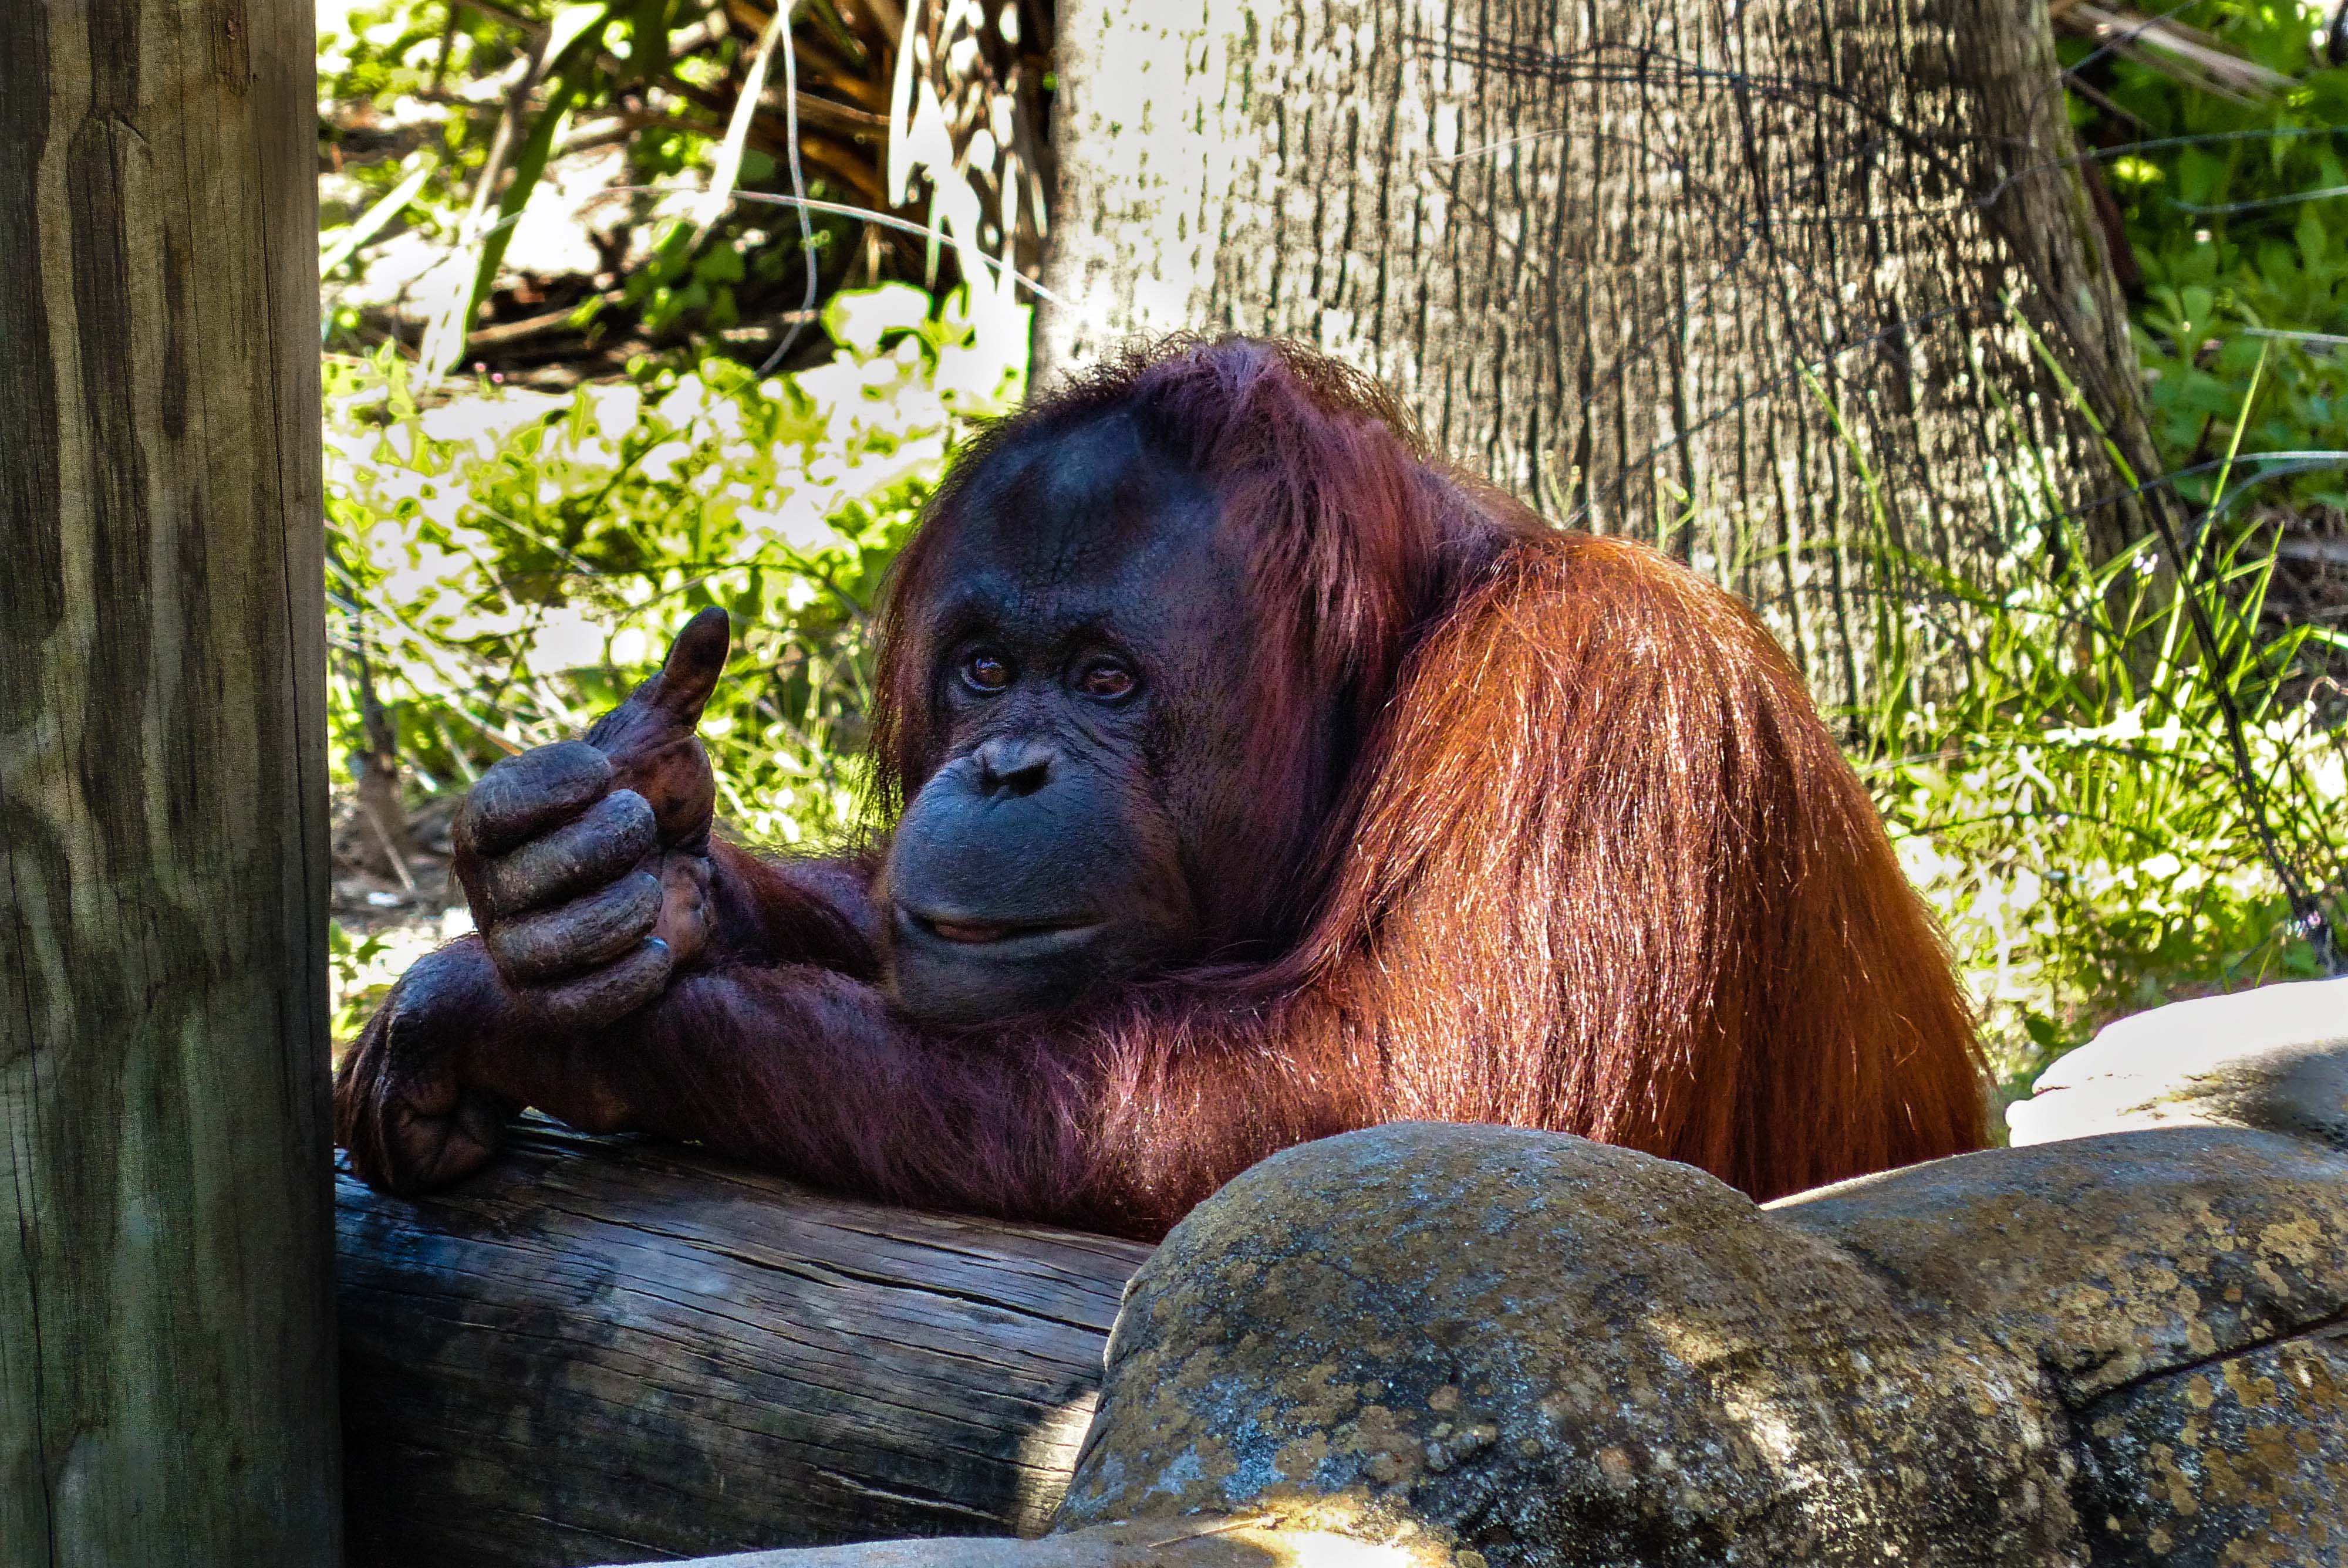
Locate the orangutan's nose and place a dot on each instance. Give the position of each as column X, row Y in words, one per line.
column 1012, row 768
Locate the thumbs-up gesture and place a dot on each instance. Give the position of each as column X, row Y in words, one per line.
column 587, row 862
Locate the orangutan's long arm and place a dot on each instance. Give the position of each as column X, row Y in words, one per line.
column 1120, row 1120
column 1120, row 1123
column 797, row 909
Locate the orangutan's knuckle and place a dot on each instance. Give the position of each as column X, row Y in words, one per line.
column 640, row 976
column 565, row 1010
column 623, row 831
column 631, row 808
column 525, row 793
column 610, row 839
column 579, row 935
column 615, row 989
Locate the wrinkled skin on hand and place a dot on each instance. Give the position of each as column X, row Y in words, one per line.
column 587, row 867
column 587, row 862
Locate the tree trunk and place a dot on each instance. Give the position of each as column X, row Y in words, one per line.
column 167, row 1374
column 604, row 1351
column 1728, row 275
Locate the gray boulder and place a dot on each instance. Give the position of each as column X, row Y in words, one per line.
column 2274, row 1058
column 1484, row 1347
column 1531, row 1349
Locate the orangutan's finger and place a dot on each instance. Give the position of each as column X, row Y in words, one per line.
column 524, row 796
column 609, row 994
column 662, row 713
column 602, row 845
column 690, row 673
column 587, row 932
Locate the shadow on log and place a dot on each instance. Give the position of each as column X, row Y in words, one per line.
column 606, row 1351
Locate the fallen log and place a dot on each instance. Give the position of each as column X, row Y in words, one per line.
column 606, row 1351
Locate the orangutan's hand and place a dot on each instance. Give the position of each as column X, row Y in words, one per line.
column 402, row 1106
column 587, row 862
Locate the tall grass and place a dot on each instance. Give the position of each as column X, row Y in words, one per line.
column 2117, row 782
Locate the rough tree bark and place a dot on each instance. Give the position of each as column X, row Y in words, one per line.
column 166, row 1378
column 1730, row 275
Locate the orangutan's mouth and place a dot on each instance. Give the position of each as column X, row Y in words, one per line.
column 1027, row 935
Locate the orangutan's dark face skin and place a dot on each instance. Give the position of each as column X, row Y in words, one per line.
column 1082, row 648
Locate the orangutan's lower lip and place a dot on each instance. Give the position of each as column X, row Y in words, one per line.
column 955, row 932
column 1040, row 936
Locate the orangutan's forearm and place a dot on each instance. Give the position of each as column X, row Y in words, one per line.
column 792, row 910
column 807, row 1070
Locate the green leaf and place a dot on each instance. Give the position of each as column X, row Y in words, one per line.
column 529, row 165
column 569, row 28
column 2201, row 177
column 648, row 39
column 2315, row 239
column 373, row 220
column 580, row 30
column 723, row 264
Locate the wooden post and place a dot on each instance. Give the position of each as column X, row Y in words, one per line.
column 167, row 1374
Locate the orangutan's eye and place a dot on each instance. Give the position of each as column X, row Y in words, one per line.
column 983, row 671
column 1105, row 681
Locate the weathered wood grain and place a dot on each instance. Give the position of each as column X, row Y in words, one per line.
column 604, row 1351
column 166, row 1328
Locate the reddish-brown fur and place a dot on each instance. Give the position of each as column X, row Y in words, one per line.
column 1544, row 830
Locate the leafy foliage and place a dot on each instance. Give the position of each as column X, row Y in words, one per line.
column 359, row 972
column 614, row 177
column 2076, row 804
column 507, row 566
column 2074, row 810
column 2236, row 206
